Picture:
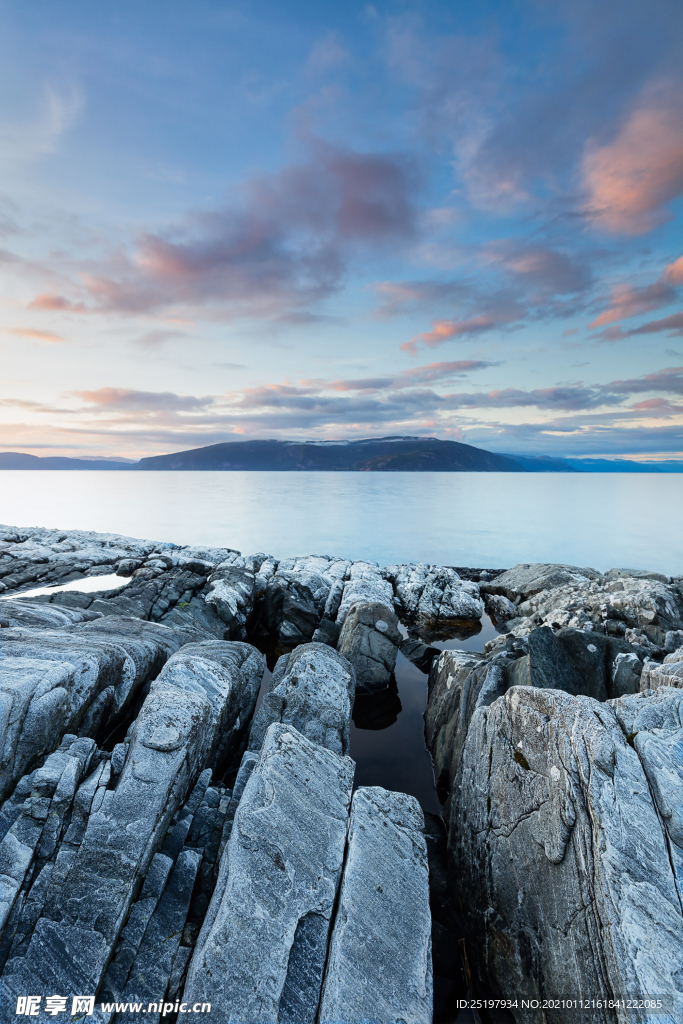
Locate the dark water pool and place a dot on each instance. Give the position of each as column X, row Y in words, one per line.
column 392, row 753
column 387, row 730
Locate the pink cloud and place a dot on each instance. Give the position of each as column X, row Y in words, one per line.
column 36, row 335
column 628, row 301
column 128, row 400
column 667, row 323
column 630, row 179
column 430, row 374
column 284, row 241
column 445, row 330
column 56, row 303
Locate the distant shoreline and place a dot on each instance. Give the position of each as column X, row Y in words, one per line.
column 369, row 455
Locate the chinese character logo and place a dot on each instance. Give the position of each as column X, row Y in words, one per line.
column 82, row 1004
column 55, row 1005
column 28, row 1005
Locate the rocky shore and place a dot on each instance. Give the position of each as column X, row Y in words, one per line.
column 179, row 825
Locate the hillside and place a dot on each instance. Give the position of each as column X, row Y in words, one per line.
column 387, row 454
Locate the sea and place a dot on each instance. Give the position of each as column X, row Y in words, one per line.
column 483, row 520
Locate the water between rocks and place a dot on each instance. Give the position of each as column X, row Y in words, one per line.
column 387, row 729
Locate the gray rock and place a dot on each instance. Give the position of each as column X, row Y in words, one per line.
column 547, row 665
column 327, row 632
column 32, row 557
column 529, row 578
column 280, row 887
column 499, row 609
column 607, row 605
column 420, row 654
column 312, row 690
column 36, row 614
column 370, row 639
column 33, row 824
column 231, row 595
column 379, row 965
column 669, row 673
column 151, row 970
column 455, row 681
column 229, row 675
column 181, row 725
column 299, row 594
column 366, row 585
column 559, row 857
column 294, row 603
column 432, row 594
column 53, row 682
column 35, row 712
column 653, row 725
column 626, row 674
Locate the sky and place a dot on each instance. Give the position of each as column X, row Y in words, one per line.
column 222, row 221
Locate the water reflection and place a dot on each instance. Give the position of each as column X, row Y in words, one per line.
column 387, row 729
column 377, row 710
column 395, row 755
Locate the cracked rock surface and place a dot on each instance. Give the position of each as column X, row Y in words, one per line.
column 557, row 752
column 133, row 860
column 161, row 840
column 370, row 639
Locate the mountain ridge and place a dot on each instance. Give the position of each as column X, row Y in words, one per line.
column 394, row 453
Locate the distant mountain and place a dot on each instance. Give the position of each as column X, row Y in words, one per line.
column 378, row 455
column 372, row 455
column 17, row 460
column 548, row 464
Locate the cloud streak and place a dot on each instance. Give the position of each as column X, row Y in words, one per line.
column 284, row 244
column 628, row 301
column 631, row 180
column 34, row 334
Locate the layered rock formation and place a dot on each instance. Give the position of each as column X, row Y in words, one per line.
column 163, row 842
column 557, row 753
column 129, row 870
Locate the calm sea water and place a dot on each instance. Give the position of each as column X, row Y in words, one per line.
column 478, row 519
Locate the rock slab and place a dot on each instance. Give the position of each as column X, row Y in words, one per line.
column 379, row 965
column 285, row 856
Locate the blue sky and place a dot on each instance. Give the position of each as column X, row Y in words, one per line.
column 305, row 220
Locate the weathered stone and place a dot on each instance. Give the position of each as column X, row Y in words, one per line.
column 279, row 891
column 453, row 689
column 229, row 675
column 653, row 725
column 52, row 682
column 432, row 594
column 35, row 614
column 312, row 689
column 293, row 604
column 35, row 712
column 366, row 585
column 547, row 665
column 608, row 604
column 151, row 970
column 669, row 673
column 370, row 639
column 231, row 594
column 32, row 557
column 327, row 632
column 181, row 725
column 420, row 654
column 559, row 857
column 379, row 965
column 526, row 579
column 626, row 674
